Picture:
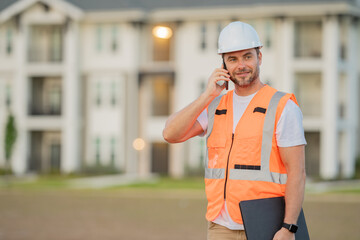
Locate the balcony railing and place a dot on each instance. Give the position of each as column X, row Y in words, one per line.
column 44, row 55
column 41, row 111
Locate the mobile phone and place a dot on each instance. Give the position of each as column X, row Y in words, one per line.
column 226, row 82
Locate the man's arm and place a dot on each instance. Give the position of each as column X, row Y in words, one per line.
column 182, row 125
column 294, row 161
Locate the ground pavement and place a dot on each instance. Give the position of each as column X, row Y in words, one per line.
column 132, row 214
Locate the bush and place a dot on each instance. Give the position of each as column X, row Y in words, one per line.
column 357, row 168
column 99, row 169
column 5, row 171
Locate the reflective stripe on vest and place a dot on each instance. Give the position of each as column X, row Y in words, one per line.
column 264, row 173
column 212, row 173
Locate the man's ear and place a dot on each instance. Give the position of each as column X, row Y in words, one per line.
column 260, row 57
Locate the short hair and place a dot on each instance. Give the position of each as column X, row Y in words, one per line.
column 257, row 49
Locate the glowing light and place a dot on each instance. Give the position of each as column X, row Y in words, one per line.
column 162, row 32
column 139, row 144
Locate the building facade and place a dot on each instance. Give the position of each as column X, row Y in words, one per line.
column 92, row 83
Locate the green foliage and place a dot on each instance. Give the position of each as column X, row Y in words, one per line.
column 4, row 171
column 195, row 172
column 10, row 137
column 58, row 182
column 42, row 182
column 196, row 183
column 99, row 169
column 357, row 168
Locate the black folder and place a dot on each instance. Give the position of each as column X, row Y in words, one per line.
column 264, row 217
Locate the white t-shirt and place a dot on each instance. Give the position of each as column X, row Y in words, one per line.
column 289, row 133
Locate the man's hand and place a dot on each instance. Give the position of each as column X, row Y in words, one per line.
column 182, row 125
column 219, row 74
column 284, row 234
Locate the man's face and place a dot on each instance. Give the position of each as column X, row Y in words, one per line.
column 243, row 66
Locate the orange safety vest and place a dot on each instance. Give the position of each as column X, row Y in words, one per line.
column 245, row 165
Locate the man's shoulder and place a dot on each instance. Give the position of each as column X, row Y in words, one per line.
column 221, row 96
column 215, row 103
column 291, row 106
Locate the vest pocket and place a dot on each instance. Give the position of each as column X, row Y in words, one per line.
column 216, row 149
column 247, row 153
column 216, row 142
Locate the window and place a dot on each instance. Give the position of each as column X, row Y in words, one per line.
column 56, row 45
column 159, row 156
column 98, row 94
column 98, row 37
column 219, row 29
column 9, row 41
column 113, row 93
column 114, row 38
column 268, row 34
column 344, row 31
column 8, row 95
column 202, row 86
column 97, row 150
column 160, row 87
column 55, row 99
column 37, row 93
column 308, row 92
column 343, row 94
column 106, row 38
column 155, row 90
column 308, row 39
column 113, row 150
column 203, row 31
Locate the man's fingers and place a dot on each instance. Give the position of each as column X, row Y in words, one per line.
column 222, row 74
column 222, row 70
column 221, row 81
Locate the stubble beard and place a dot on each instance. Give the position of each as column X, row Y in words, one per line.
column 244, row 82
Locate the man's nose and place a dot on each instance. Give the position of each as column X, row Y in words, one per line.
column 241, row 64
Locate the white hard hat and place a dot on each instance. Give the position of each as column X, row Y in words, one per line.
column 238, row 36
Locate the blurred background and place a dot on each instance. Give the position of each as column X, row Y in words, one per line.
column 86, row 86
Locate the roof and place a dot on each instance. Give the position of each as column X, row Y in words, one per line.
column 148, row 5
column 5, row 3
column 91, row 5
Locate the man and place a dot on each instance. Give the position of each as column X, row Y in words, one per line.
column 255, row 137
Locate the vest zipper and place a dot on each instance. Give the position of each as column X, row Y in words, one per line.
column 227, row 165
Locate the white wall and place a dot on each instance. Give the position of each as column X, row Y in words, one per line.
column 105, row 66
column 105, row 121
column 94, row 59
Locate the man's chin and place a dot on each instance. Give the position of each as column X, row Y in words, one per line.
column 242, row 83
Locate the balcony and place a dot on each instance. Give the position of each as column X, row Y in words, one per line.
column 308, row 39
column 308, row 89
column 45, row 152
column 45, row 44
column 46, row 95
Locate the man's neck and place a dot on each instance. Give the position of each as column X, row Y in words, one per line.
column 248, row 90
